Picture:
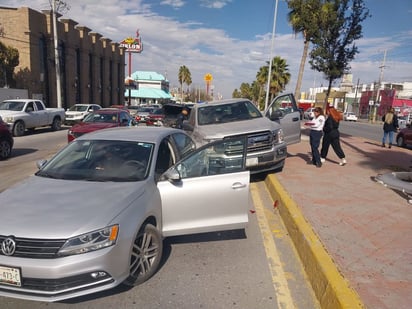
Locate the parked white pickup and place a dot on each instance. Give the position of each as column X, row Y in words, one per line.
column 22, row 114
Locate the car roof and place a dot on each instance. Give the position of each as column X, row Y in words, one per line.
column 141, row 134
column 108, row 110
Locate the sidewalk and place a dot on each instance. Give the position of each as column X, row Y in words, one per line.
column 354, row 235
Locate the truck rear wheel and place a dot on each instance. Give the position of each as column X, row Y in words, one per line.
column 56, row 124
column 19, row 128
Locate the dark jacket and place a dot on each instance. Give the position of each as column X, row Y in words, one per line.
column 393, row 126
column 330, row 125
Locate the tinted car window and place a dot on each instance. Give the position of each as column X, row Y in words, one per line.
column 184, row 144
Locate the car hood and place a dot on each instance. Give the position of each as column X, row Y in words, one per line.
column 5, row 113
column 51, row 208
column 219, row 131
column 92, row 126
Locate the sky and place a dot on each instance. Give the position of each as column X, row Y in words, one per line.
column 232, row 39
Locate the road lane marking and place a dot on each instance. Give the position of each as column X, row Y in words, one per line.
column 280, row 284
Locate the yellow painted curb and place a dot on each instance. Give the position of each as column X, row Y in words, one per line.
column 330, row 287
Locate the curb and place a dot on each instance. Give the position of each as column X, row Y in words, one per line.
column 330, row 287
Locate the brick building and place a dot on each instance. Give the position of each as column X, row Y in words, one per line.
column 91, row 66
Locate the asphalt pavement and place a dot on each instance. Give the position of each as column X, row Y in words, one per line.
column 354, row 235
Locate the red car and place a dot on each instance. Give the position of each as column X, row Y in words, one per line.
column 404, row 136
column 6, row 140
column 101, row 119
column 156, row 117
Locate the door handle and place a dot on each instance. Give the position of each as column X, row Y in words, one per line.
column 238, row 185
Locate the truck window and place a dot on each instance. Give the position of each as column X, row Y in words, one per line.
column 39, row 105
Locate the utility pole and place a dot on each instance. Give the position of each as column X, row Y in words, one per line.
column 63, row 5
column 271, row 55
column 376, row 103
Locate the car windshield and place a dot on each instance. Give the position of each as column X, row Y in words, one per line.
column 237, row 111
column 78, row 108
column 101, row 117
column 146, row 110
column 158, row 111
column 100, row 160
column 12, row 106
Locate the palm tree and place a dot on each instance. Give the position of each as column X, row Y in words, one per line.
column 184, row 76
column 303, row 17
column 280, row 76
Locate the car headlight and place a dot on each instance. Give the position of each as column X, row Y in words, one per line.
column 8, row 119
column 92, row 241
column 278, row 136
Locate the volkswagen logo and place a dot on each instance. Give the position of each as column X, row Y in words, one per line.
column 8, row 246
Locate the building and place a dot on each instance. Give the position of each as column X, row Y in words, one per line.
column 148, row 88
column 91, row 66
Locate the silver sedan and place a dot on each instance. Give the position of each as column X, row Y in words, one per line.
column 95, row 215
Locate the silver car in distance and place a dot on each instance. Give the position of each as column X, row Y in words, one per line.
column 95, row 215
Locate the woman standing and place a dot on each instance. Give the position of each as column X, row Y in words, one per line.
column 331, row 136
column 390, row 125
column 316, row 127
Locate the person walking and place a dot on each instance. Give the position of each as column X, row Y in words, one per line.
column 181, row 117
column 316, row 127
column 331, row 136
column 390, row 125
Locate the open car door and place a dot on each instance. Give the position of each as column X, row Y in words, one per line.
column 284, row 110
column 206, row 191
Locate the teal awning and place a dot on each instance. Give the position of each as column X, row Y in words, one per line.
column 148, row 93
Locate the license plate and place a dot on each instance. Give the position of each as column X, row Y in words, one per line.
column 251, row 161
column 10, row 276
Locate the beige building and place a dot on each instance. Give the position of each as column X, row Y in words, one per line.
column 91, row 66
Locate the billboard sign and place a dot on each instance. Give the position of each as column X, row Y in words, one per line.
column 133, row 45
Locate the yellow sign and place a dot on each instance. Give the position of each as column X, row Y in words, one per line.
column 208, row 78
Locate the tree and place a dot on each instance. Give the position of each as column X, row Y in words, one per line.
column 333, row 44
column 280, row 77
column 9, row 59
column 303, row 16
column 185, row 77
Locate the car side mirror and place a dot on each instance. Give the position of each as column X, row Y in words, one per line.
column 276, row 115
column 172, row 175
column 41, row 163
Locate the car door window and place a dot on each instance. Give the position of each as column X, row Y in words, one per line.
column 184, row 144
column 165, row 157
column 221, row 157
column 284, row 111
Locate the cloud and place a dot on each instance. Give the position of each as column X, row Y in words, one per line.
column 173, row 3
column 215, row 4
column 169, row 43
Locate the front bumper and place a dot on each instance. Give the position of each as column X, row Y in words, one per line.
column 267, row 160
column 66, row 277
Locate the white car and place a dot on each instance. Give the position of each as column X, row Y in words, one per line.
column 77, row 112
column 350, row 116
column 309, row 114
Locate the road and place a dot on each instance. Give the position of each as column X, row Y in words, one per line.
column 255, row 268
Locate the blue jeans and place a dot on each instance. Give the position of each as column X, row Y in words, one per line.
column 314, row 140
column 385, row 134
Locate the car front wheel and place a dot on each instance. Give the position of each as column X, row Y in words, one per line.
column 19, row 128
column 146, row 255
column 5, row 149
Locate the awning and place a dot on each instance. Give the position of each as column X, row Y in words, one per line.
column 148, row 93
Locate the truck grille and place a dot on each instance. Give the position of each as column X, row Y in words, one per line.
column 35, row 248
column 258, row 141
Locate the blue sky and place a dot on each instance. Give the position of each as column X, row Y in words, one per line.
column 231, row 39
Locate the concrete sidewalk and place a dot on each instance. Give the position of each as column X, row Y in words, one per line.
column 354, row 235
